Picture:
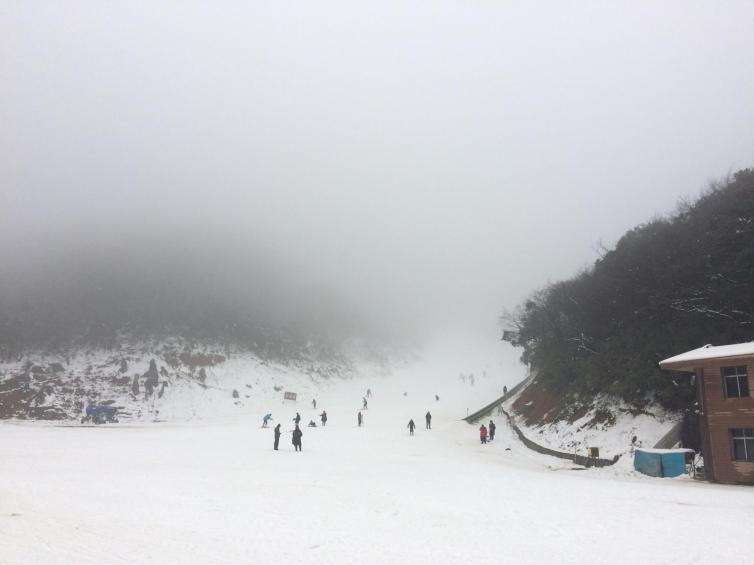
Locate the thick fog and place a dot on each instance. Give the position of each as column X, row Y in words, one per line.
column 427, row 163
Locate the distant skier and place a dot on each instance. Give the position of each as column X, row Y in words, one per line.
column 359, row 419
column 437, row 398
column 493, row 427
column 369, row 393
column 483, row 434
column 365, row 403
column 505, row 390
column 314, row 403
column 323, row 417
column 411, row 427
column 312, row 424
column 277, row 436
column 428, row 418
column 266, row 420
column 297, row 419
column 297, row 433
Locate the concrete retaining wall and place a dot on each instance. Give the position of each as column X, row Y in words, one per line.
column 672, row 438
column 578, row 459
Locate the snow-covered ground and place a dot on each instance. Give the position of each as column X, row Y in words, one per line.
column 214, row 491
column 612, row 437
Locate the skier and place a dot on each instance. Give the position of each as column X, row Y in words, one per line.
column 297, row 433
column 505, row 390
column 365, row 403
column 323, row 417
column 312, row 424
column 411, row 427
column 266, row 419
column 277, row 436
column 297, row 419
column 369, row 393
column 314, row 403
column 483, row 434
column 493, row 427
column 428, row 417
column 437, row 398
column 359, row 418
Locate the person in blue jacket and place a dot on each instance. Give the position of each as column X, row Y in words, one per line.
column 266, row 420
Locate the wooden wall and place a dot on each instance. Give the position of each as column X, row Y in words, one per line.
column 720, row 414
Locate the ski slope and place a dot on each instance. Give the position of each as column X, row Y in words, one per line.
column 214, row 491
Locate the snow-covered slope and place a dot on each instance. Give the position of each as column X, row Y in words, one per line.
column 214, row 491
column 164, row 381
column 607, row 424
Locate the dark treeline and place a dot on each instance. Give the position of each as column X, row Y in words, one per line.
column 94, row 291
column 669, row 285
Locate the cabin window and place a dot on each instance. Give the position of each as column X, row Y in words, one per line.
column 742, row 443
column 736, row 382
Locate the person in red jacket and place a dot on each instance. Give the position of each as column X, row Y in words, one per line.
column 483, row 434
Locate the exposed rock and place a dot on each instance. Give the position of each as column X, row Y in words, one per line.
column 123, row 366
column 121, row 381
column 194, row 360
column 151, row 377
column 235, row 393
column 148, row 388
column 57, row 368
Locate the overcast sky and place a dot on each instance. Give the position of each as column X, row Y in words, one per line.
column 438, row 158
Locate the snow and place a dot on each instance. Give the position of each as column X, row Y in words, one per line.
column 709, row 352
column 214, row 491
column 612, row 438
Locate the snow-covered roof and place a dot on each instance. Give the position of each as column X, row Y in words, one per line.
column 687, row 360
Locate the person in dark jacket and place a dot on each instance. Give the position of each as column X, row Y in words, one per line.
column 314, row 403
column 483, row 434
column 297, row 433
column 428, row 418
column 297, row 419
column 411, row 427
column 364, row 407
column 359, row 419
column 492, row 428
column 277, row 436
column 323, row 417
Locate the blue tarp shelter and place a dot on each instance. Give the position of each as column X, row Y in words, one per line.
column 661, row 462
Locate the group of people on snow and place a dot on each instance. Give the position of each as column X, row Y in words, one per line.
column 487, row 432
column 427, row 418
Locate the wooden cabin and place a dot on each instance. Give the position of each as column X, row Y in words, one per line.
column 726, row 408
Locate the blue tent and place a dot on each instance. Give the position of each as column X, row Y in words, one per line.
column 661, row 462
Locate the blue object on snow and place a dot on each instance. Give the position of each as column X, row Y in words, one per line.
column 661, row 462
column 101, row 409
column 267, row 417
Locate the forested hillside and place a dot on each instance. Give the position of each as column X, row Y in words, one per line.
column 669, row 285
